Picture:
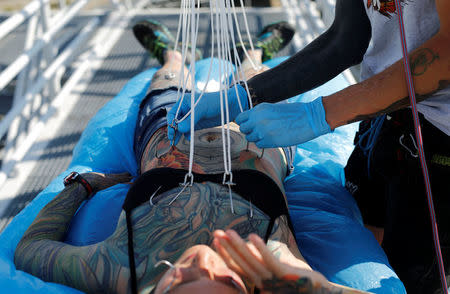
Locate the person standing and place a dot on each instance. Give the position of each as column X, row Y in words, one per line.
column 383, row 173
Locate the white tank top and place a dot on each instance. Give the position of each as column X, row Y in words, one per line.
column 421, row 23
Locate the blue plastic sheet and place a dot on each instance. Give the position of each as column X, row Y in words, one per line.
column 327, row 222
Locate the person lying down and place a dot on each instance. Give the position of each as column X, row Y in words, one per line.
column 204, row 238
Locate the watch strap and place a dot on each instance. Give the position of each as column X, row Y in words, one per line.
column 76, row 177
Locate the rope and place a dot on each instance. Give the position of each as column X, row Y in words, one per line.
column 412, row 96
column 222, row 13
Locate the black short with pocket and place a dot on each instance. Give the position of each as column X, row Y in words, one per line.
column 390, row 192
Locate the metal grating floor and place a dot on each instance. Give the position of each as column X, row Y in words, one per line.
column 125, row 60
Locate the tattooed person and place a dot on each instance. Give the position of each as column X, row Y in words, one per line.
column 161, row 242
column 384, row 173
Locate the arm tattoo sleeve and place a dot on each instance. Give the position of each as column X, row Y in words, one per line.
column 283, row 245
column 296, row 285
column 54, row 219
column 282, row 241
column 41, row 253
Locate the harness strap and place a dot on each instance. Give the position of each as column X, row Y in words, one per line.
column 270, row 198
column 412, row 97
column 131, row 261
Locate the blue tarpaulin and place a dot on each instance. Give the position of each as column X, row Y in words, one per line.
column 327, row 222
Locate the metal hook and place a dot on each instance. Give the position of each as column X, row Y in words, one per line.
column 262, row 154
column 175, row 198
column 172, row 267
column 229, row 182
column 164, row 153
column 153, row 195
column 184, row 185
column 231, row 198
column 166, row 262
column 174, row 126
column 404, row 146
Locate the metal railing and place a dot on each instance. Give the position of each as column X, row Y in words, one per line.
column 311, row 19
column 47, row 54
column 38, row 70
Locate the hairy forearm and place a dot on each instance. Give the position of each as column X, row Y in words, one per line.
column 387, row 91
column 340, row 47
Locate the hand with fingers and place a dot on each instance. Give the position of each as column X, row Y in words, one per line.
column 207, row 111
column 256, row 263
column 283, row 124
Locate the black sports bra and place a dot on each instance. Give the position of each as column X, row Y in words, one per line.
column 270, row 198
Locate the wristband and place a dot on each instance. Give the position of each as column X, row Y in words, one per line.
column 76, row 177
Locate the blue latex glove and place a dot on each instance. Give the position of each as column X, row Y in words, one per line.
column 207, row 111
column 282, row 125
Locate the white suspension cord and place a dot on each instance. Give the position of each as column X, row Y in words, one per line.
column 222, row 13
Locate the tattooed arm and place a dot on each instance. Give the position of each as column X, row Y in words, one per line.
column 283, row 246
column 41, row 253
column 275, row 267
column 387, row 91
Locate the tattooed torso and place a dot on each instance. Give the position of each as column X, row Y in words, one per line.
column 160, row 232
column 208, row 154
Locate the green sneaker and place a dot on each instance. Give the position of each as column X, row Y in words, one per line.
column 273, row 38
column 154, row 37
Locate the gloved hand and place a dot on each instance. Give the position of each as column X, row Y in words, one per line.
column 282, row 125
column 207, row 111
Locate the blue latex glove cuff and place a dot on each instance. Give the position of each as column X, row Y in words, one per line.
column 316, row 117
column 207, row 112
column 242, row 96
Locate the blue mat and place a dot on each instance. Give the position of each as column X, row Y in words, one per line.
column 328, row 224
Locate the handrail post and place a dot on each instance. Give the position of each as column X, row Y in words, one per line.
column 48, row 51
column 24, row 80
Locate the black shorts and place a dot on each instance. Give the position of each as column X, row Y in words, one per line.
column 392, row 195
column 152, row 116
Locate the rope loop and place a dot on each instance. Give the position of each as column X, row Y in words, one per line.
column 228, row 179
column 189, row 176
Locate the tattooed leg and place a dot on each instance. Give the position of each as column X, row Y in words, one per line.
column 247, row 65
column 169, row 75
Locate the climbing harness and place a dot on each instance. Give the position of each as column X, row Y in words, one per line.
column 411, row 152
column 412, row 96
